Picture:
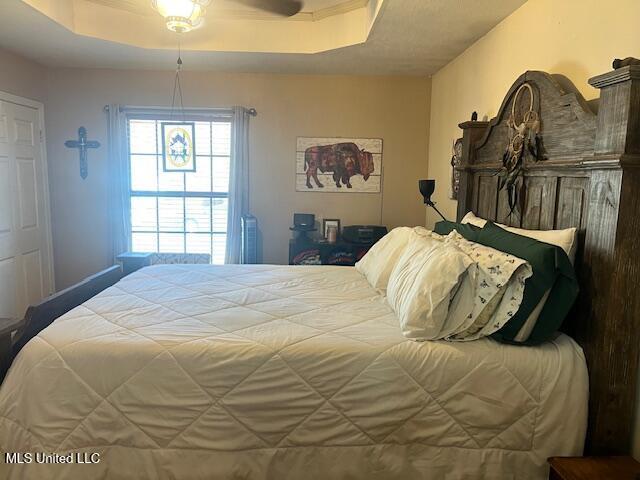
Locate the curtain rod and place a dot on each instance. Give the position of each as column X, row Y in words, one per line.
column 128, row 108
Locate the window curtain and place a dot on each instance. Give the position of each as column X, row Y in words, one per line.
column 238, row 183
column 119, row 200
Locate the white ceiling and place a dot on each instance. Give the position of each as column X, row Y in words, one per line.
column 408, row 37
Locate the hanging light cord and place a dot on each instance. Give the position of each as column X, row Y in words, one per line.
column 176, row 84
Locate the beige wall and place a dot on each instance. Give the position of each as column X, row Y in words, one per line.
column 22, row 77
column 392, row 108
column 574, row 38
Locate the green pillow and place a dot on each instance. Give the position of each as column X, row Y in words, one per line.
column 468, row 231
column 552, row 270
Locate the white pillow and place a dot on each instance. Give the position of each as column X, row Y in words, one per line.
column 462, row 305
column 380, row 260
column 565, row 239
column 527, row 327
column 423, row 284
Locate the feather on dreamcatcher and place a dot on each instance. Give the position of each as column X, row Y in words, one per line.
column 523, row 137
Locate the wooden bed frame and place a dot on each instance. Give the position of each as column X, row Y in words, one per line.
column 40, row 315
column 589, row 180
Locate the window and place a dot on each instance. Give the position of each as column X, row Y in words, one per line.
column 180, row 212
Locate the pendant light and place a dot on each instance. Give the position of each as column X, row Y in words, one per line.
column 181, row 15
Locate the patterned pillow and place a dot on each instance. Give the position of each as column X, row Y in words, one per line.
column 499, row 289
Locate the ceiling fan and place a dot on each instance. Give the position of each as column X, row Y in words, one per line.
column 184, row 15
column 286, row 8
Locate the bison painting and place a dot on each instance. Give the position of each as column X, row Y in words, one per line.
column 344, row 160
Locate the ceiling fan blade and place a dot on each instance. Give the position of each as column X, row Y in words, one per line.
column 285, row 8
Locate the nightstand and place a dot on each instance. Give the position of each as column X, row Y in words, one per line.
column 587, row 468
column 308, row 251
column 7, row 327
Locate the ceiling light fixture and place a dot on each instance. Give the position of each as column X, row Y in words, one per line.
column 181, row 15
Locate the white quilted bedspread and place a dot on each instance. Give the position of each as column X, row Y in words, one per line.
column 276, row 372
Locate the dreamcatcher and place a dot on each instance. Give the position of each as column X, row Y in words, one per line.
column 523, row 137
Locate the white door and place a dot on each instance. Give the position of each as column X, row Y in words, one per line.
column 26, row 275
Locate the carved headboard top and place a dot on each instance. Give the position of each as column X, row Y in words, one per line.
column 568, row 123
column 580, row 171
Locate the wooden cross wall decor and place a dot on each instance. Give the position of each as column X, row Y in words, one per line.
column 82, row 144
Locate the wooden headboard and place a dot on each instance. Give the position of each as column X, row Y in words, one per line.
column 589, row 179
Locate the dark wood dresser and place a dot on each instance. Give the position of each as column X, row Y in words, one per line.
column 308, row 251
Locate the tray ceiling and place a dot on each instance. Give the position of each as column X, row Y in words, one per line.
column 227, row 27
column 381, row 37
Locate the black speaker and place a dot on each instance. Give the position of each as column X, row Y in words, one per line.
column 363, row 234
column 304, row 221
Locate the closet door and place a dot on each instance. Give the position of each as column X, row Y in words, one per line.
column 25, row 239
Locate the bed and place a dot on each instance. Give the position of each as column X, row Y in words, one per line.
column 302, row 372
column 261, row 370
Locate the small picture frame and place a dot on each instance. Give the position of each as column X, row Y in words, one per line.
column 330, row 222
